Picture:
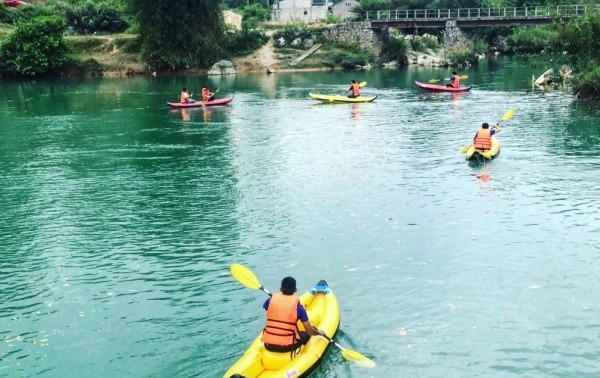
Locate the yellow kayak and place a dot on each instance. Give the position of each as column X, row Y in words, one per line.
column 324, row 313
column 338, row 98
column 473, row 153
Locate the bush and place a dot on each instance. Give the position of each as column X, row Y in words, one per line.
column 530, row 40
column 587, row 83
column 331, row 19
column 244, row 42
column 90, row 17
column 36, row 47
column 395, row 49
column 254, row 14
column 422, row 43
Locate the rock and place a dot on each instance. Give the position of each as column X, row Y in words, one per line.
column 270, row 70
column 222, row 67
column 296, row 42
column 566, row 73
column 545, row 78
column 280, row 42
column 309, row 43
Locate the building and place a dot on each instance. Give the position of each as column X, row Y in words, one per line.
column 311, row 10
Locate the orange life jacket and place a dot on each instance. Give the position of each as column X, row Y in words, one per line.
column 355, row 89
column 456, row 81
column 184, row 97
column 483, row 139
column 205, row 94
column 282, row 318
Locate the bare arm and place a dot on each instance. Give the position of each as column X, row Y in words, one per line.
column 312, row 330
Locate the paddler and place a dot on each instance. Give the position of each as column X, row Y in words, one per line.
column 281, row 333
column 206, row 95
column 186, row 98
column 354, row 88
column 483, row 137
column 454, row 80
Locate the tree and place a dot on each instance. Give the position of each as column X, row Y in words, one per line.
column 37, row 46
column 180, row 33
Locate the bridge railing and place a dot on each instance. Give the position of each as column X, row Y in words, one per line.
column 483, row 13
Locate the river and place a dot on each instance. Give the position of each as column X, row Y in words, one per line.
column 120, row 219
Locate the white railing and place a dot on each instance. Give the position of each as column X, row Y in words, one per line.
column 483, row 13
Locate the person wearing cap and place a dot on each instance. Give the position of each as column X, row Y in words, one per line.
column 281, row 333
column 483, row 137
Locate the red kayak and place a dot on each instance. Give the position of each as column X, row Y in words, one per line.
column 440, row 88
column 197, row 104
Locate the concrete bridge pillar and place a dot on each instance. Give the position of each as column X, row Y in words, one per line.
column 452, row 34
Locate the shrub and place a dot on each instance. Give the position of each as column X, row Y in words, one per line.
column 422, row 43
column 530, row 40
column 244, row 42
column 293, row 31
column 254, row 14
column 331, row 19
column 37, row 46
column 395, row 49
column 90, row 17
column 587, row 83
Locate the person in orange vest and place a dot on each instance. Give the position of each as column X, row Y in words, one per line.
column 354, row 88
column 186, row 98
column 206, row 95
column 454, row 80
column 281, row 333
column 483, row 137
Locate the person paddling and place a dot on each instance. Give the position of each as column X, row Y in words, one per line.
column 186, row 98
column 483, row 137
column 354, row 88
column 206, row 95
column 454, row 80
column 281, row 333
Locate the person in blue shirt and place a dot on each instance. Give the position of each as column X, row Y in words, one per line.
column 281, row 333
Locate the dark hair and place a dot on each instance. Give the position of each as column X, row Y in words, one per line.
column 288, row 286
column 184, row 89
column 354, row 81
column 454, row 73
column 485, row 125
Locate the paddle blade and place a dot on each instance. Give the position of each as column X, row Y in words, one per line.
column 463, row 77
column 509, row 114
column 464, row 149
column 245, row 276
column 433, row 81
column 358, row 358
column 362, row 84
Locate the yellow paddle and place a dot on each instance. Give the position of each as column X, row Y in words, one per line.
column 248, row 279
column 463, row 77
column 508, row 115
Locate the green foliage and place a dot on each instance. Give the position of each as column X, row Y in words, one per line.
column 180, row 33
column 331, row 19
column 395, row 48
column 81, row 16
column 244, row 42
column 254, row 14
column 528, row 40
column 587, row 83
column 422, row 43
column 91, row 17
column 579, row 38
column 360, row 11
column 36, row 47
column 480, row 46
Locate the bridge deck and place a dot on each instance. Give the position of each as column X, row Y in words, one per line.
column 473, row 17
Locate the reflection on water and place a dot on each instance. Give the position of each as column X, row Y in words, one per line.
column 120, row 219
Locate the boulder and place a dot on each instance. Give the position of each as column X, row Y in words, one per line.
column 280, row 42
column 296, row 42
column 222, row 67
column 545, row 78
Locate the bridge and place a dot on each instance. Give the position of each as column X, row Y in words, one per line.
column 475, row 17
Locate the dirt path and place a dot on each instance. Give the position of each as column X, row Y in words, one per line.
column 260, row 60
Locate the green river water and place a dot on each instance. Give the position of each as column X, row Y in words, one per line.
column 120, row 218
